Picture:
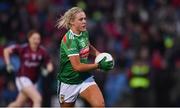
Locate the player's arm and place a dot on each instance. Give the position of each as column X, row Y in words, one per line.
column 93, row 50
column 81, row 67
column 50, row 67
column 7, row 51
column 48, row 64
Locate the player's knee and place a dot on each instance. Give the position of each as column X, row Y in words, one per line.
column 16, row 103
column 98, row 104
column 102, row 104
column 37, row 99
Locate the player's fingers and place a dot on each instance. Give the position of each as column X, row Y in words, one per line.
column 104, row 59
column 110, row 63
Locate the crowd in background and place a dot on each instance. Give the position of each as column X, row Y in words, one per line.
column 135, row 32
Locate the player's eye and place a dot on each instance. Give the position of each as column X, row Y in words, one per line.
column 81, row 19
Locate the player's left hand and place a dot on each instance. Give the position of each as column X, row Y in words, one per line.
column 9, row 68
column 105, row 65
column 44, row 72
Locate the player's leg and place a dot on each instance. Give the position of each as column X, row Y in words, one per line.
column 20, row 100
column 65, row 105
column 33, row 94
column 91, row 93
column 93, row 96
column 25, row 85
column 67, row 94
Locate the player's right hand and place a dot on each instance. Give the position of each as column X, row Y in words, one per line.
column 105, row 65
column 9, row 68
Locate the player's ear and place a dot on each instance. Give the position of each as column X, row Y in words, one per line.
column 71, row 22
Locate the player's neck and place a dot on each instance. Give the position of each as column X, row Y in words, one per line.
column 76, row 32
column 33, row 48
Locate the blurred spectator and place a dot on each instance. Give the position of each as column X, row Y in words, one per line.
column 9, row 93
column 117, row 83
column 139, row 79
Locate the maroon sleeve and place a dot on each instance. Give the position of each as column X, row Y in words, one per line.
column 46, row 57
column 15, row 48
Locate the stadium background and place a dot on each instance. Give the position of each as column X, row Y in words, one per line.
column 131, row 30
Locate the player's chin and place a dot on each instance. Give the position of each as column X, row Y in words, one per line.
column 83, row 29
column 36, row 44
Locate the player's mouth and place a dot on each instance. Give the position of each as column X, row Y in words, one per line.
column 84, row 27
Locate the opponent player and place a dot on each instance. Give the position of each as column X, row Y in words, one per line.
column 74, row 76
column 32, row 57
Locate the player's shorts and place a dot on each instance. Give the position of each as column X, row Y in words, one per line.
column 22, row 82
column 68, row 93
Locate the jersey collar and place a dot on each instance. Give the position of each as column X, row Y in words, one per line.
column 75, row 33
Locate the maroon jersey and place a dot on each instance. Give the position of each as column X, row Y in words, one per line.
column 31, row 61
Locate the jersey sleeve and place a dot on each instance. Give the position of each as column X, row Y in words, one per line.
column 46, row 57
column 70, row 46
column 15, row 48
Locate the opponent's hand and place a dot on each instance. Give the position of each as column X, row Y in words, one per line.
column 44, row 72
column 9, row 68
column 105, row 65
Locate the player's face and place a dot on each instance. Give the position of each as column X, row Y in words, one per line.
column 35, row 40
column 79, row 22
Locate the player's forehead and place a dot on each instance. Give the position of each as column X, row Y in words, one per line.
column 35, row 35
column 80, row 15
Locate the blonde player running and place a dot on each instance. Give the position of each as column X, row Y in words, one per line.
column 74, row 76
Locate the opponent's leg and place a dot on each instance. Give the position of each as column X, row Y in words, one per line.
column 20, row 100
column 34, row 95
column 93, row 96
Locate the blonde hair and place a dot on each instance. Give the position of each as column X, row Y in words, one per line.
column 68, row 16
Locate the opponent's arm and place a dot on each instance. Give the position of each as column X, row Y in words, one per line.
column 7, row 52
column 49, row 68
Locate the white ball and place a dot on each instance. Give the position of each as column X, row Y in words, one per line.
column 102, row 55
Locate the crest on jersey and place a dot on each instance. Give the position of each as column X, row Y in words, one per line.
column 26, row 55
column 33, row 56
column 39, row 57
column 83, row 43
column 62, row 98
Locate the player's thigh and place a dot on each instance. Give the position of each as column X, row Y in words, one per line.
column 32, row 92
column 93, row 95
column 25, row 85
column 63, row 105
column 67, row 94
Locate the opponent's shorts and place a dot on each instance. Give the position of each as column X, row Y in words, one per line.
column 68, row 93
column 22, row 82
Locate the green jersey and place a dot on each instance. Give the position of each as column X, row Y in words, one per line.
column 73, row 44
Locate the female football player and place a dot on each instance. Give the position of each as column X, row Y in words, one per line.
column 74, row 76
column 32, row 58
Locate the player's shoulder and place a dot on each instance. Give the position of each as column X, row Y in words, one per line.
column 18, row 45
column 23, row 45
column 42, row 48
column 86, row 32
column 70, row 35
